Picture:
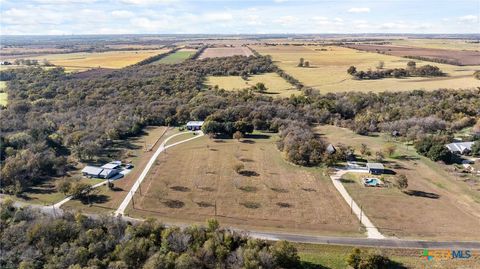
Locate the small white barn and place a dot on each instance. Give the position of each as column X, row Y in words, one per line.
column 460, row 147
column 108, row 173
column 112, row 165
column 375, row 168
column 194, row 125
column 92, row 171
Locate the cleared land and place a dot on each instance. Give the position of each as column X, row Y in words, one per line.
column 462, row 57
column 107, row 201
column 3, row 95
column 111, row 59
column 328, row 70
column 225, row 52
column 196, row 181
column 176, row 57
column 438, row 205
column 451, row 44
column 276, row 85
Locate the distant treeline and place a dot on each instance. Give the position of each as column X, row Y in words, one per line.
column 435, row 60
column 198, row 53
column 410, row 71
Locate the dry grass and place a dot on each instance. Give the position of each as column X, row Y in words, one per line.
column 276, row 86
column 111, row 59
column 439, row 205
column 225, row 52
column 203, row 169
column 328, row 70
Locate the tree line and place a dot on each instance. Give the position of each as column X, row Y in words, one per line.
column 31, row 239
column 411, row 71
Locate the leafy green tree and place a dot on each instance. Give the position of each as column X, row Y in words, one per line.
column 285, row 254
column 402, row 182
column 354, row 258
column 476, row 148
column 352, row 70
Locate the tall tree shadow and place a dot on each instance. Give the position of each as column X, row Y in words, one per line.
column 429, row 195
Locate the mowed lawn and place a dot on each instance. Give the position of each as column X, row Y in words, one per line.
column 177, row 57
column 328, row 70
column 196, row 180
column 276, row 85
column 3, row 94
column 85, row 60
column 440, row 205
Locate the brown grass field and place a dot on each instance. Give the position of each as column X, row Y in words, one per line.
column 225, row 52
column 463, row 57
column 112, row 59
column 440, row 206
column 328, row 70
column 436, row 43
column 196, row 181
column 276, row 85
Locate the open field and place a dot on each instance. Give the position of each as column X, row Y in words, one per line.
column 462, row 57
column 112, row 59
column 107, row 201
column 334, row 257
column 328, row 71
column 438, row 205
column 451, row 44
column 177, row 57
column 225, row 52
column 3, row 95
column 196, row 180
column 276, row 85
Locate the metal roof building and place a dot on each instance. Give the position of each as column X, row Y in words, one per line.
column 460, row 147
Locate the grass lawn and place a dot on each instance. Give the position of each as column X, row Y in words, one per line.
column 438, row 206
column 176, row 57
column 196, row 180
column 328, row 70
column 106, row 200
column 3, row 95
column 82, row 61
column 179, row 138
column 334, row 257
column 276, row 86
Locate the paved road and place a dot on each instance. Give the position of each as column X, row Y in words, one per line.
column 367, row 242
column 372, row 231
column 136, row 185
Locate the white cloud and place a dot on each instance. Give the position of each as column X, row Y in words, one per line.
column 468, row 19
column 280, row 1
column 359, row 10
column 122, row 14
column 286, row 20
column 217, row 17
column 147, row 2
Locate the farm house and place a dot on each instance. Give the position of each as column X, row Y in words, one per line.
column 194, row 125
column 460, row 147
column 375, row 168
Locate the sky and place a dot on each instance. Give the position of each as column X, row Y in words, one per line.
column 63, row 17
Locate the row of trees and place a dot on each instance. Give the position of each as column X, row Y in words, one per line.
column 32, row 240
column 410, row 71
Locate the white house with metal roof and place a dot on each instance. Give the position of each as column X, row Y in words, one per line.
column 194, row 125
column 460, row 147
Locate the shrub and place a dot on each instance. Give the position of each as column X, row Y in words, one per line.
column 238, row 167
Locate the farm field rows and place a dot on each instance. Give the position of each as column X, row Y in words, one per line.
column 453, row 44
column 225, row 52
column 111, row 59
column 276, row 85
column 196, row 181
column 328, row 70
column 438, row 205
column 462, row 57
column 176, row 57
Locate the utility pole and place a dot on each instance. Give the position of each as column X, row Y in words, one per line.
column 351, row 207
column 133, row 199
column 361, row 212
column 54, row 212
